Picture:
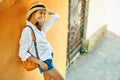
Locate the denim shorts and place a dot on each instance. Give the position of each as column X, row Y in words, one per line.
column 50, row 64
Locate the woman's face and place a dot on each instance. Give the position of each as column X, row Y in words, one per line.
column 39, row 15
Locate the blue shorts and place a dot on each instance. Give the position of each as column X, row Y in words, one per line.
column 50, row 64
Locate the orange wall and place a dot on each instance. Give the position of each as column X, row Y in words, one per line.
column 12, row 19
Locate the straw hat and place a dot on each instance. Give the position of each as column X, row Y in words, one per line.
column 34, row 7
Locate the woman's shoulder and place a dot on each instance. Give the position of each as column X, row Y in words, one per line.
column 26, row 29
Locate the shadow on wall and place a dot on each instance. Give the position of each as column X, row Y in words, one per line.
column 4, row 4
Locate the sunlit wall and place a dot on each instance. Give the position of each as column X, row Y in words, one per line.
column 96, row 16
column 113, row 15
column 103, row 12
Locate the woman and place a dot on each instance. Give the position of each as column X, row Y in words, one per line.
column 36, row 20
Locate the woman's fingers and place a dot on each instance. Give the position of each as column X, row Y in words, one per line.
column 44, row 66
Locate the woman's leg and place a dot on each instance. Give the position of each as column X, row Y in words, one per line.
column 54, row 74
column 46, row 76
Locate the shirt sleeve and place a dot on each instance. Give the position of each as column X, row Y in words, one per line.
column 50, row 22
column 25, row 43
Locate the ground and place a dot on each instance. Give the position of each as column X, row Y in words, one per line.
column 102, row 63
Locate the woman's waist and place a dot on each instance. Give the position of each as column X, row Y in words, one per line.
column 43, row 54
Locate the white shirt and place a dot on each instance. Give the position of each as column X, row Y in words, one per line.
column 43, row 46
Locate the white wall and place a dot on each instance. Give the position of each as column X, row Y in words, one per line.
column 113, row 15
column 96, row 16
column 103, row 12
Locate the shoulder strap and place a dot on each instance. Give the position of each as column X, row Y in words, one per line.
column 34, row 39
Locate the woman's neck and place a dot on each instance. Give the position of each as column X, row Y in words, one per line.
column 35, row 23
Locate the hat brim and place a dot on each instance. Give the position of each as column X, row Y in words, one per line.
column 33, row 10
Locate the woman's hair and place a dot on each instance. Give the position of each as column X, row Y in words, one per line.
column 31, row 15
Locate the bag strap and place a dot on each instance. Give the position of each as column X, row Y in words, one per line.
column 34, row 39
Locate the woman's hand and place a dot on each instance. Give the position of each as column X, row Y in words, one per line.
column 43, row 65
column 50, row 12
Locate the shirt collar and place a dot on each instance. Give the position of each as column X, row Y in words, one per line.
column 30, row 24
